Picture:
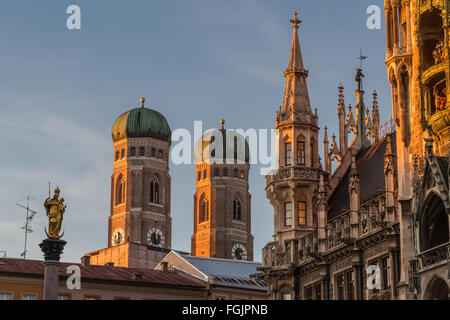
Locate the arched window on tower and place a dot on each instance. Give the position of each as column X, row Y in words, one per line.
column 117, row 156
column 204, row 209
column 120, row 190
column 237, row 209
column 122, row 153
column 154, row 191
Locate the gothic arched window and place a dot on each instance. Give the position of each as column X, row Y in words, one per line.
column 117, row 155
column 122, row 153
column 237, row 208
column 204, row 209
column 154, row 191
column 120, row 190
column 434, row 229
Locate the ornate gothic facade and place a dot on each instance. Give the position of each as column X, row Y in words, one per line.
column 385, row 204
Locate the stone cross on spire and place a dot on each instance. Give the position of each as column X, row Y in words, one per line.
column 295, row 22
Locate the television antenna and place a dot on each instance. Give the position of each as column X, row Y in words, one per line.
column 27, row 226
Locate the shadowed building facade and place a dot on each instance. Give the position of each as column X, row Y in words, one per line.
column 384, row 204
column 330, row 224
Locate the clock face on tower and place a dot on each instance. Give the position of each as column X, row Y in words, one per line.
column 118, row 237
column 239, row 252
column 155, row 237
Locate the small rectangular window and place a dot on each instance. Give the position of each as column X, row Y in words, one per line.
column 309, row 293
column 225, row 172
column 350, row 285
column 340, row 287
column 318, row 292
column 288, row 152
column 288, row 214
column 386, row 262
column 300, row 153
column 287, row 296
column 302, row 213
column 29, row 296
column 142, row 151
column 6, row 296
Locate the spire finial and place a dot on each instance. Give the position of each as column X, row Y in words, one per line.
column 142, row 102
column 295, row 22
column 222, row 123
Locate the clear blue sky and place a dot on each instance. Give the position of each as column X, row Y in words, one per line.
column 61, row 90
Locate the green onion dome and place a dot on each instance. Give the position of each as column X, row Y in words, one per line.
column 234, row 146
column 141, row 123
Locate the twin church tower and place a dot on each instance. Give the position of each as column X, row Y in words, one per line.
column 140, row 223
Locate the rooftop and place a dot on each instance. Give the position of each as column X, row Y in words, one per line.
column 35, row 268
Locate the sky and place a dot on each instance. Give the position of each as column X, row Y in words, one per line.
column 61, row 90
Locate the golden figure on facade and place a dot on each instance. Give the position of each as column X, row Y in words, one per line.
column 55, row 209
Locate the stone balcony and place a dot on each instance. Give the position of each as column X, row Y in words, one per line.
column 440, row 123
column 293, row 172
column 434, row 255
column 434, row 70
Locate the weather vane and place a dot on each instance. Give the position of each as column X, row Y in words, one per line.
column 361, row 58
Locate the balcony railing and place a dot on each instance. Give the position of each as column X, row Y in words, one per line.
column 434, row 255
column 296, row 172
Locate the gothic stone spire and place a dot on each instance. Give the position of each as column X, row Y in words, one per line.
column 296, row 96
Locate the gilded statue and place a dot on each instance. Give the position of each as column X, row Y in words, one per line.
column 55, row 209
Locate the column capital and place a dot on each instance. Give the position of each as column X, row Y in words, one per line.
column 52, row 249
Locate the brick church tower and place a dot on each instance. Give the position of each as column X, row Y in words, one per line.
column 292, row 190
column 139, row 225
column 222, row 202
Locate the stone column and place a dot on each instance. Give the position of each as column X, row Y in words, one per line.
column 408, row 26
column 389, row 31
column 395, row 25
column 357, row 271
column 52, row 249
